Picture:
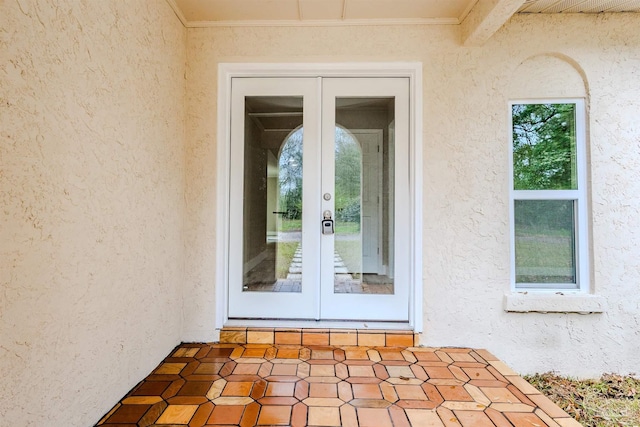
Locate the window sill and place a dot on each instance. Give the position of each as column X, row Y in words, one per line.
column 553, row 302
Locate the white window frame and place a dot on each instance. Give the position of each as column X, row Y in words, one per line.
column 579, row 196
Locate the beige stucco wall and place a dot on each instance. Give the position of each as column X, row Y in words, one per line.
column 91, row 203
column 466, row 149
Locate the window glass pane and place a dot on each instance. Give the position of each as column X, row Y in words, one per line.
column 364, row 158
column 544, row 147
column 545, row 241
column 272, row 229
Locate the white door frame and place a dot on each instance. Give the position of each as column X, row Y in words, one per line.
column 227, row 71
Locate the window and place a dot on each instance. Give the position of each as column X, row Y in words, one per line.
column 548, row 196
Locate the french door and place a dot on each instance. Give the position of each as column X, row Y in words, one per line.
column 319, row 199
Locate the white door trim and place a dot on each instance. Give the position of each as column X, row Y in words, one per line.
column 227, row 71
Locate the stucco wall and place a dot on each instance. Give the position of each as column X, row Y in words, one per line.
column 466, row 148
column 91, row 203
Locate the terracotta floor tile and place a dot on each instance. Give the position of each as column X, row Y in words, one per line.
column 356, row 353
column 284, row 369
column 319, row 416
column 361, row 371
column 341, row 371
column 323, row 390
column 170, row 368
column 366, row 391
column 151, row 388
column 348, row 416
column 371, row 340
column 187, row 400
column 288, row 338
column 400, row 371
column 177, row 414
column 322, row 371
column 299, row 415
column 128, row 414
column 152, row 414
column 424, row 418
column 226, row 415
column 195, row 388
column 280, row 389
column 301, row 390
column 475, row 419
column 227, row 369
column 202, row 415
column 478, row 374
column 208, row 368
column 343, row 338
column 522, row 419
column 250, row 416
column 390, row 354
column 382, row 372
column 254, row 352
column 547, row 406
column 322, row 353
column 317, row 385
column 315, row 339
column 323, row 401
column 399, row 340
column 374, row 417
column 286, row 353
column 410, row 392
column 438, row 372
column 246, row 369
column 260, row 337
column 399, row 417
column 499, row 395
column 274, row 415
column 454, row 392
column 237, row 389
column 498, row 418
column 278, row 400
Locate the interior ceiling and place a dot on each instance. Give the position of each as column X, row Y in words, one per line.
column 196, row 13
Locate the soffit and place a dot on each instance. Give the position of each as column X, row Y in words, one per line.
column 199, row 13
column 196, row 13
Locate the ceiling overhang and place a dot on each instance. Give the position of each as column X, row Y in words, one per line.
column 479, row 20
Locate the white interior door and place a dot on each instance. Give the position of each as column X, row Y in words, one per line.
column 302, row 148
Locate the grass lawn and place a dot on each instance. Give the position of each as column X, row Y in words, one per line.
column 611, row 401
column 544, row 257
column 285, row 252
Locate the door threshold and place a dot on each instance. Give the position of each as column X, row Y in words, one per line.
column 325, row 333
column 319, row 324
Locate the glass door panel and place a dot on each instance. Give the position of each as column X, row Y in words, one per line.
column 273, row 182
column 362, row 275
column 363, row 194
column 274, row 165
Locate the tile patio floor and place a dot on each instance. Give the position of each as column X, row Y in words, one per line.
column 288, row 385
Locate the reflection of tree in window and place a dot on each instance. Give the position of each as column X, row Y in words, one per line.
column 544, row 144
column 347, row 177
column 290, row 176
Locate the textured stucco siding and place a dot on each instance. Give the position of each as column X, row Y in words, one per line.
column 92, row 123
column 466, row 262
column 108, row 188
